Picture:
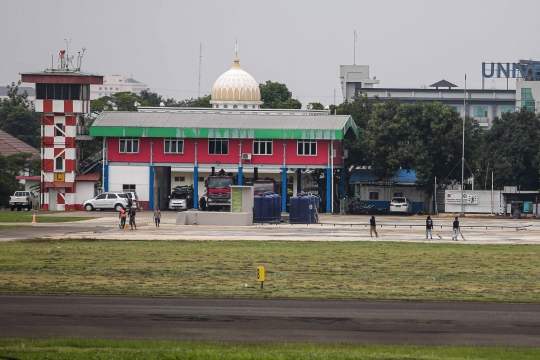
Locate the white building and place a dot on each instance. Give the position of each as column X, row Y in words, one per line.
column 482, row 104
column 116, row 83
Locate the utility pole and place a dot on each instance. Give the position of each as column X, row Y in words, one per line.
column 463, row 149
column 200, row 66
column 354, row 45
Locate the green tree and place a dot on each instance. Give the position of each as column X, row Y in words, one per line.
column 511, row 148
column 11, row 166
column 18, row 118
column 277, row 96
column 151, row 98
column 423, row 137
column 316, row 106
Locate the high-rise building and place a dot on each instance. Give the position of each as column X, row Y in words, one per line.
column 116, row 83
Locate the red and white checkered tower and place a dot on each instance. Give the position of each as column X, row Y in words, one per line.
column 62, row 99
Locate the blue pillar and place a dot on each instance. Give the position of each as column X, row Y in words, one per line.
column 283, row 189
column 240, row 175
column 328, row 190
column 298, row 181
column 196, row 187
column 342, row 183
column 151, row 190
column 106, row 175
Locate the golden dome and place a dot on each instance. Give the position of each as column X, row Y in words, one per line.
column 236, row 85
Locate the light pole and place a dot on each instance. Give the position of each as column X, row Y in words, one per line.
column 463, row 148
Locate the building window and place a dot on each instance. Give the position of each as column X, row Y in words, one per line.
column 373, row 195
column 128, row 145
column 262, row 147
column 99, row 94
column 174, row 146
column 59, row 163
column 201, row 178
column 398, row 194
column 245, row 106
column 507, row 109
column 225, row 106
column 58, row 129
column 100, row 88
column 307, row 147
column 116, row 89
column 235, row 106
column 179, row 178
column 128, row 187
column 218, row 146
column 457, row 109
column 527, row 100
column 481, row 111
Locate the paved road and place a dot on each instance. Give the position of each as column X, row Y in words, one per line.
column 390, row 228
column 240, row 320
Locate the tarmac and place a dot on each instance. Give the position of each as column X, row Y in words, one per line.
column 104, row 226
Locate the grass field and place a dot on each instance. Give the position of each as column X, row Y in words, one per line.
column 7, row 216
column 304, row 270
column 74, row 349
column 4, row 227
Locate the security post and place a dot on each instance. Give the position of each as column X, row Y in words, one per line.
column 260, row 275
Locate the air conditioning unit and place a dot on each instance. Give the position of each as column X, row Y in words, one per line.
column 246, row 156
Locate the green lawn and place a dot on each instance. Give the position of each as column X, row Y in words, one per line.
column 74, row 349
column 303, row 270
column 7, row 216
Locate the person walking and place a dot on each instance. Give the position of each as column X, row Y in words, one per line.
column 122, row 216
column 456, row 228
column 157, row 216
column 373, row 227
column 429, row 227
column 132, row 215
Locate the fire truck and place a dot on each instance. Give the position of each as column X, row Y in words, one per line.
column 218, row 192
column 263, row 185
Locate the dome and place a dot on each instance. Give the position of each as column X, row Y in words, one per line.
column 236, row 88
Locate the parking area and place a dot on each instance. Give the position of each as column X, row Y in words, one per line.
column 476, row 230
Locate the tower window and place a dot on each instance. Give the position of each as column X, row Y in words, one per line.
column 59, row 163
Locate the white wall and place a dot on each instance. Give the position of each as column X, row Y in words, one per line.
column 386, row 193
column 138, row 175
column 85, row 191
column 484, row 206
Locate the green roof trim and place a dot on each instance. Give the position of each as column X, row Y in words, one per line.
column 241, row 127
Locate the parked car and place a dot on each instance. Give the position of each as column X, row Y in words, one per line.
column 23, row 200
column 133, row 200
column 109, row 200
column 181, row 199
column 401, row 205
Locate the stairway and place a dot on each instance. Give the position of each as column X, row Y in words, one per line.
column 90, row 162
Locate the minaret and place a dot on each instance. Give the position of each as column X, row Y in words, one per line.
column 62, row 99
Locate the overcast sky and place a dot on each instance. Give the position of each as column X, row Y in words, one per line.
column 299, row 43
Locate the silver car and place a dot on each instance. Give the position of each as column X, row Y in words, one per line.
column 401, row 205
column 114, row 201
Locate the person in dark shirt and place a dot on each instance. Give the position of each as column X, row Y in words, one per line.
column 372, row 227
column 132, row 215
column 429, row 227
column 456, row 228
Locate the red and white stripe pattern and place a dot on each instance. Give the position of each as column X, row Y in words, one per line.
column 62, row 106
column 61, row 120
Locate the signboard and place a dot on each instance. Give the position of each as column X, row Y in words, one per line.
column 511, row 70
column 236, row 199
column 455, row 198
column 59, row 176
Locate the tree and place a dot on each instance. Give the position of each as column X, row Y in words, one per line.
column 277, row 96
column 11, row 166
column 151, row 98
column 18, row 118
column 316, row 106
column 423, row 137
column 511, row 148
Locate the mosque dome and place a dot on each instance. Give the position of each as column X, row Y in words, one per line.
column 236, row 89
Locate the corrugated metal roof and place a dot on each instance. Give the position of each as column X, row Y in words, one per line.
column 88, row 177
column 403, row 176
column 10, row 145
column 219, row 120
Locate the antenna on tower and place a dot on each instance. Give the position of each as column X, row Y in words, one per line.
column 236, row 47
column 200, row 65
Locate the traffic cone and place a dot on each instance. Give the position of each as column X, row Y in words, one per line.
column 34, row 219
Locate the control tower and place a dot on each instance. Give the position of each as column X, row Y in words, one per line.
column 62, row 100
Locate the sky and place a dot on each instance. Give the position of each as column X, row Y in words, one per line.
column 299, row 43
